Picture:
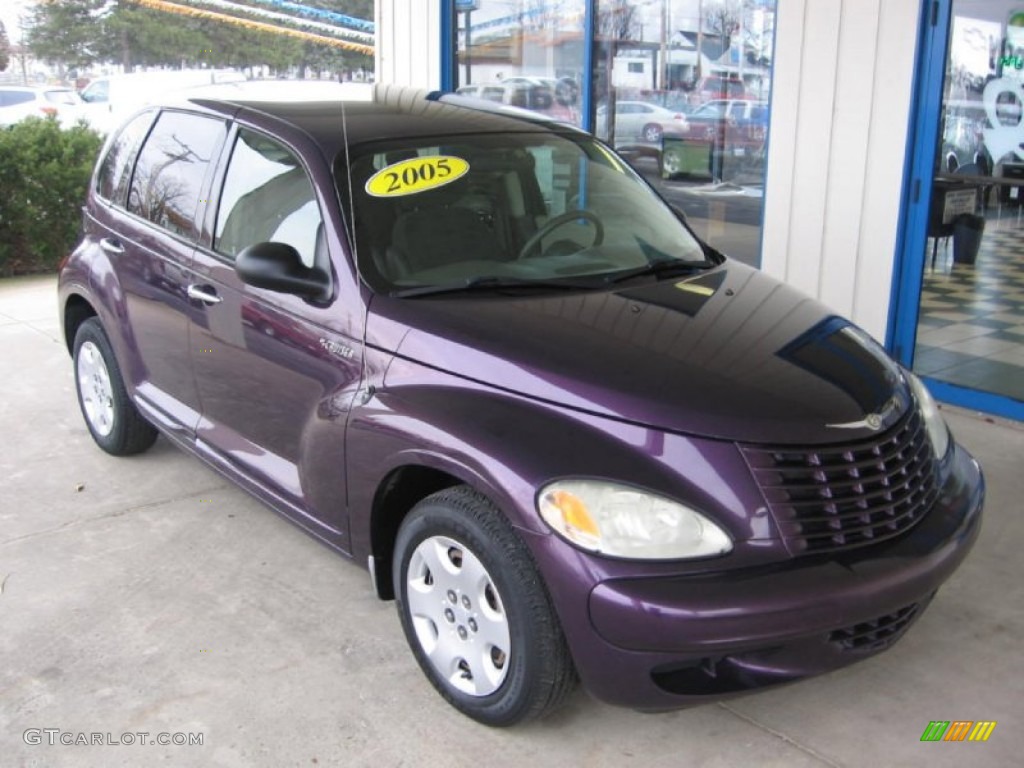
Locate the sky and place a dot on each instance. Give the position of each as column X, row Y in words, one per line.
column 10, row 11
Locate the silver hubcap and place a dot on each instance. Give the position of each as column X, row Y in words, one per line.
column 94, row 386
column 458, row 616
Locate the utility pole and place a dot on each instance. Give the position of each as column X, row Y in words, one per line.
column 700, row 37
column 663, row 66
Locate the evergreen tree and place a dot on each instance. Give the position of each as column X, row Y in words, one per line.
column 64, row 32
column 5, row 48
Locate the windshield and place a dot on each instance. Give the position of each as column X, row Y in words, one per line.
column 501, row 209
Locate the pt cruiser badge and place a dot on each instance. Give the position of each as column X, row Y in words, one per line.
column 872, row 421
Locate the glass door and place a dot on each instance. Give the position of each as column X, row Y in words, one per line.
column 967, row 334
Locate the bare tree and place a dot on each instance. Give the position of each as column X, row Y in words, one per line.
column 722, row 18
column 618, row 20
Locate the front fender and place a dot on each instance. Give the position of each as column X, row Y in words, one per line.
column 508, row 446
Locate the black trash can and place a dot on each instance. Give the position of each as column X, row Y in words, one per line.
column 968, row 230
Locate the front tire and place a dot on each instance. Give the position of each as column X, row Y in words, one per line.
column 475, row 612
column 113, row 421
column 671, row 164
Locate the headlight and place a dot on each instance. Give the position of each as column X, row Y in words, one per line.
column 620, row 521
column 938, row 432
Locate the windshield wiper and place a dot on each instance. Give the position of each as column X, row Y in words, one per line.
column 660, row 269
column 491, row 283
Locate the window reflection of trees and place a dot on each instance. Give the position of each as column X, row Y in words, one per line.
column 170, row 171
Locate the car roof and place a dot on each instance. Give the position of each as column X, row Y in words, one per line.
column 35, row 88
column 327, row 112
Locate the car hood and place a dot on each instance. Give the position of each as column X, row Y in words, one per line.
column 729, row 353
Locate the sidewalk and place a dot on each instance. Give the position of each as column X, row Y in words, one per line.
column 148, row 595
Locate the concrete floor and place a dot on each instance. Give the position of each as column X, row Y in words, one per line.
column 146, row 594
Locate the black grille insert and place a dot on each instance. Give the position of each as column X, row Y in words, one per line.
column 876, row 634
column 839, row 497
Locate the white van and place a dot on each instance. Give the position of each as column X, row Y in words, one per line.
column 109, row 99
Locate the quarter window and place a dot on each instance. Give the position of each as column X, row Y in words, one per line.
column 112, row 179
column 169, row 173
column 267, row 197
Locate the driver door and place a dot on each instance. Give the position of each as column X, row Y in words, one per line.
column 275, row 375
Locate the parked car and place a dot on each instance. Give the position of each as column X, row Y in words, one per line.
column 476, row 353
column 639, row 121
column 720, row 138
column 109, row 99
column 720, row 87
column 565, row 90
column 491, row 91
column 20, row 101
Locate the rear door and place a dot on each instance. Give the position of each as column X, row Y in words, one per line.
column 146, row 226
column 276, row 373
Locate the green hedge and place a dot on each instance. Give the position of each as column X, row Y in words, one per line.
column 44, row 174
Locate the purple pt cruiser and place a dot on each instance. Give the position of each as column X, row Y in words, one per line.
column 474, row 351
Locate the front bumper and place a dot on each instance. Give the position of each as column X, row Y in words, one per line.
column 667, row 642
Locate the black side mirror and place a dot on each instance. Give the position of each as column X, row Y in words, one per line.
column 278, row 267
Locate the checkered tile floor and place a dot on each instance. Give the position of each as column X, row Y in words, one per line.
column 971, row 321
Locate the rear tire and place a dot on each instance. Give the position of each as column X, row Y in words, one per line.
column 651, row 133
column 475, row 612
column 112, row 418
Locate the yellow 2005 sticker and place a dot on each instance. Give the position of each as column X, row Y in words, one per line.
column 419, row 174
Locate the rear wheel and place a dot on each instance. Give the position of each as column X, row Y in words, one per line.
column 113, row 421
column 652, row 133
column 475, row 612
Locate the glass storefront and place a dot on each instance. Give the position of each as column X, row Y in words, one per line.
column 970, row 318
column 679, row 87
column 523, row 53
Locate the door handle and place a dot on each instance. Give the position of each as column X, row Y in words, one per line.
column 205, row 295
column 111, row 246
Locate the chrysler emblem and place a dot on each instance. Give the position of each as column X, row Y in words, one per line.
column 872, row 421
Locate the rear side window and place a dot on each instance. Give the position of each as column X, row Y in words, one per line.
column 267, row 197
column 10, row 98
column 112, row 179
column 172, row 165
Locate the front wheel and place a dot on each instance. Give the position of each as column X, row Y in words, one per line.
column 671, row 164
column 475, row 612
column 113, row 421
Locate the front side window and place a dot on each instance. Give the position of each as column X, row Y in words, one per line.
column 519, row 208
column 267, row 197
column 169, row 173
column 61, row 96
column 96, row 92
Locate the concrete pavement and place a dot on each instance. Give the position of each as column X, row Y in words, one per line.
column 148, row 595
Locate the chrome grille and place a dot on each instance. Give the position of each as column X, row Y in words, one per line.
column 876, row 634
column 839, row 497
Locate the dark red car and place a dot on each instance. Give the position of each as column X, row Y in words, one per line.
column 476, row 353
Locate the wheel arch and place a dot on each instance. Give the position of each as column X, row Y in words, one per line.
column 77, row 310
column 400, row 490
